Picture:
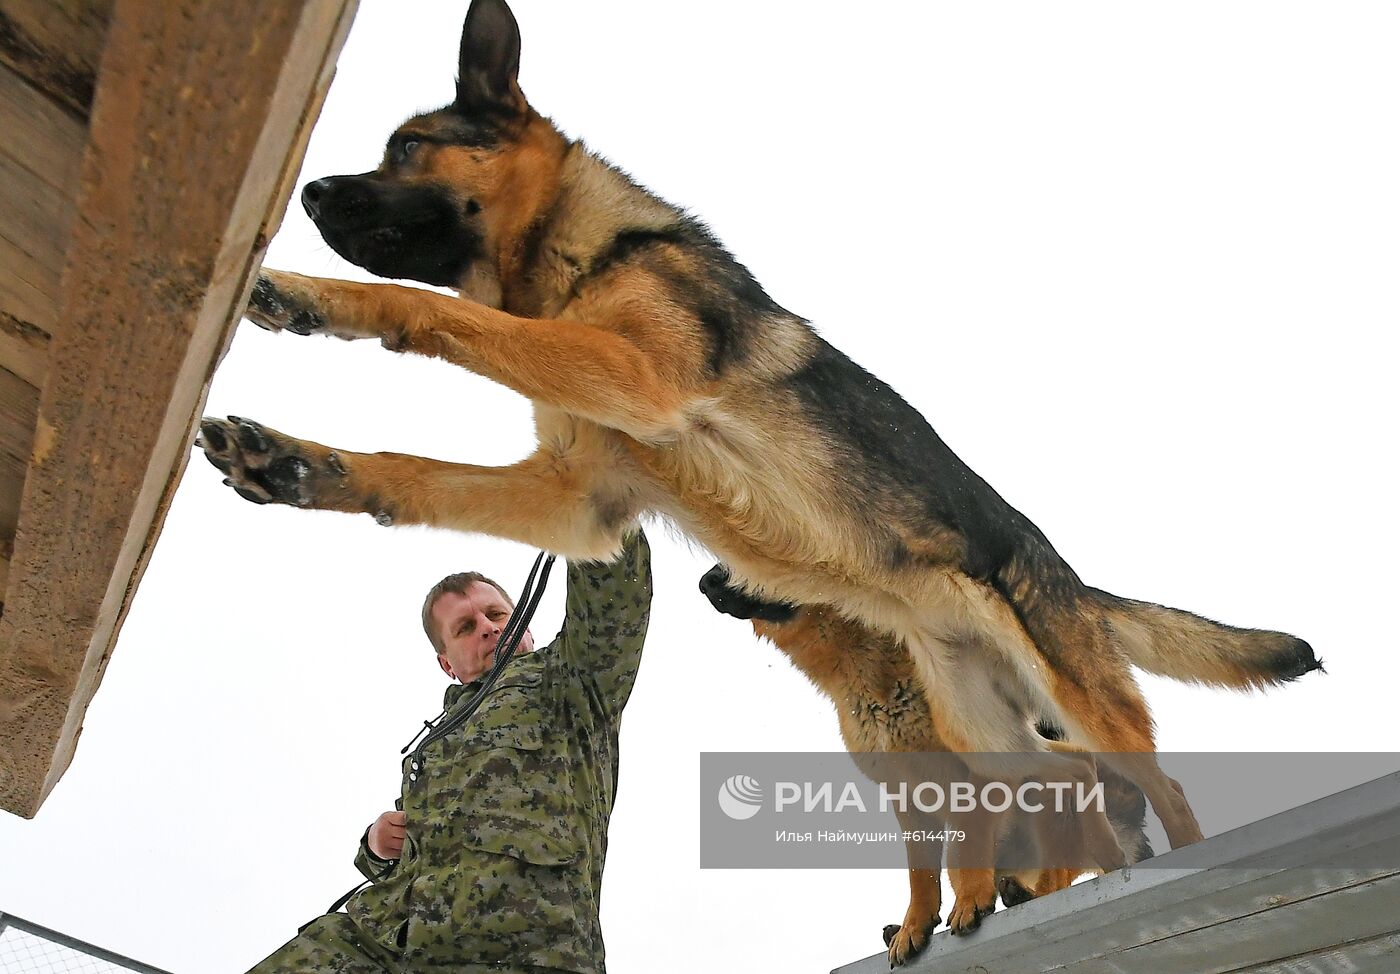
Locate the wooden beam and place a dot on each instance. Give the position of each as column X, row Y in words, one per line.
column 201, row 110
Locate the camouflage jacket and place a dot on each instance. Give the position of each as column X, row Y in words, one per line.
column 507, row 816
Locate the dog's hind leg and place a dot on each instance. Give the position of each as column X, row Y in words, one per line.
column 1166, row 795
column 583, row 369
column 1114, row 720
column 973, row 696
column 1084, row 674
column 535, row 501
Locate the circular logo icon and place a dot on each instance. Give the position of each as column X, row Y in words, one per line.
column 740, row 797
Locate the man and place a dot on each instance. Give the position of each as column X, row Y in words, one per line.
column 493, row 857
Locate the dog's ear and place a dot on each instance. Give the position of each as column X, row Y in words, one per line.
column 489, row 61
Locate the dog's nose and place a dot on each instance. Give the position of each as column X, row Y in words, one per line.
column 311, row 195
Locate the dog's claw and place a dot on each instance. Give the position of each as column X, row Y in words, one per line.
column 211, row 437
column 251, row 438
column 248, row 495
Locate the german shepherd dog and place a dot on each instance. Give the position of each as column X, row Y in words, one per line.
column 881, row 707
column 665, row 379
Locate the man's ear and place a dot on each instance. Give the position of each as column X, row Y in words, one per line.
column 489, row 61
column 446, row 666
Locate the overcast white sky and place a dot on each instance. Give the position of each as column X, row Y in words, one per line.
column 1136, row 263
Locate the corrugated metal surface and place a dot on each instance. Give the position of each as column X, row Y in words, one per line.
column 1315, row 890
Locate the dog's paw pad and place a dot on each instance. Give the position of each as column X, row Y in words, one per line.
column 276, row 306
column 261, row 465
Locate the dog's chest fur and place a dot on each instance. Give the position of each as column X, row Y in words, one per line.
column 814, row 481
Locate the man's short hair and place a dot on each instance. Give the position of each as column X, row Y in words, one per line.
column 458, row 584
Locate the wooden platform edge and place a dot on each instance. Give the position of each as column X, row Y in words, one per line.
column 200, row 119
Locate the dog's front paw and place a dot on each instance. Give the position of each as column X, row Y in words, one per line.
column 266, row 467
column 905, row 940
column 968, row 913
column 1013, row 892
column 282, row 302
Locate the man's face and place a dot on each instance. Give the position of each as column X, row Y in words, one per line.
column 469, row 625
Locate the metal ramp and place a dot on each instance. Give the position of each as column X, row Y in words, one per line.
column 1314, row 890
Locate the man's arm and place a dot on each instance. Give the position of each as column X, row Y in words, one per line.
column 606, row 609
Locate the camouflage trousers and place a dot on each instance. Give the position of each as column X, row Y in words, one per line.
column 333, row 944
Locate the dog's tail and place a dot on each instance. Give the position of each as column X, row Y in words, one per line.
column 1053, row 604
column 1187, row 647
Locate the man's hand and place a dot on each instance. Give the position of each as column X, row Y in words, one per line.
column 386, row 835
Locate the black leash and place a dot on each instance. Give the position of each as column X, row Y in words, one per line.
column 506, row 645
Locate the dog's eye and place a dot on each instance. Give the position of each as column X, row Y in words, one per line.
column 407, row 148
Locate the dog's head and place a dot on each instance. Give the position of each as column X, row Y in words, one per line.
column 456, row 187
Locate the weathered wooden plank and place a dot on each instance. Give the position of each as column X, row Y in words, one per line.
column 191, row 93
column 24, row 349
column 35, row 215
column 28, row 288
column 19, row 408
column 56, row 45
column 1355, row 912
column 1375, row 956
column 39, row 135
column 39, row 162
column 34, row 225
column 12, row 473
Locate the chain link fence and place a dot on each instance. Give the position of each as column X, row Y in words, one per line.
column 27, row 948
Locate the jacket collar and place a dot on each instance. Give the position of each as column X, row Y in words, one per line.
column 457, row 692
